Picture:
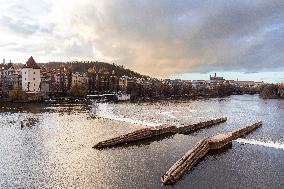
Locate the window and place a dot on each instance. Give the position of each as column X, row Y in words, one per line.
column 34, row 84
column 25, row 72
column 34, row 78
column 34, row 72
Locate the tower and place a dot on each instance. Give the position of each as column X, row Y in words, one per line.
column 31, row 76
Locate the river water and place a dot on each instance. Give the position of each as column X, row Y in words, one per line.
column 55, row 151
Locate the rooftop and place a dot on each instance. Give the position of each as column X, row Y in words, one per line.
column 31, row 64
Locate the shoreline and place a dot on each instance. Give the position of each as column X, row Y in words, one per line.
column 67, row 100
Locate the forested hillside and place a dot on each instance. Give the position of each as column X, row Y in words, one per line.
column 84, row 66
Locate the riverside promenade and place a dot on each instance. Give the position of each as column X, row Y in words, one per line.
column 184, row 164
column 157, row 131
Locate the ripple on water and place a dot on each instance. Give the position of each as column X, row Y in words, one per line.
column 56, row 151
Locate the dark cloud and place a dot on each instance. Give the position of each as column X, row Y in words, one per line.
column 168, row 37
column 160, row 37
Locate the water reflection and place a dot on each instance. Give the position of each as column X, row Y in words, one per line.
column 56, row 152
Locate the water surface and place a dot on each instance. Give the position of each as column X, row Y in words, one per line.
column 56, row 150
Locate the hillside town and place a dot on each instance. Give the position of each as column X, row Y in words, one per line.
column 32, row 82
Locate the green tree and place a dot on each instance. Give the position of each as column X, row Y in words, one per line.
column 78, row 90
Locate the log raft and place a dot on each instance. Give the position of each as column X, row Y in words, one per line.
column 218, row 141
column 157, row 131
column 200, row 125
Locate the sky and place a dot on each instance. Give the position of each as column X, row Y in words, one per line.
column 188, row 39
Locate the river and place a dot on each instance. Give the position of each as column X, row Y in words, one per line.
column 55, row 151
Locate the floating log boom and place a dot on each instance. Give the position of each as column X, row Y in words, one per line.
column 157, row 131
column 200, row 125
column 218, row 141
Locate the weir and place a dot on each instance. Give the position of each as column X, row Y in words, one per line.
column 218, row 141
column 157, row 131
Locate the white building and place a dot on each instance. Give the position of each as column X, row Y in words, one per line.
column 31, row 76
column 123, row 97
column 79, row 79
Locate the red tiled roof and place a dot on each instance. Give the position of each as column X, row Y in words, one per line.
column 31, row 63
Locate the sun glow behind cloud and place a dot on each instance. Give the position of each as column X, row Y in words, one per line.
column 157, row 38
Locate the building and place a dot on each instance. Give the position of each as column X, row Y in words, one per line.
column 45, row 85
column 31, row 76
column 92, row 80
column 8, row 69
column 216, row 78
column 122, row 83
column 79, row 79
column 245, row 84
column 259, row 84
column 113, row 84
column 10, row 78
column 61, row 81
column 103, row 80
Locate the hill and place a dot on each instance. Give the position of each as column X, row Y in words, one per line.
column 84, row 66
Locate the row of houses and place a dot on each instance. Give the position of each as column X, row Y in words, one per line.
column 49, row 82
column 218, row 81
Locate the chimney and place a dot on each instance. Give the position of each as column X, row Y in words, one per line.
column 4, row 61
column 10, row 61
column 215, row 74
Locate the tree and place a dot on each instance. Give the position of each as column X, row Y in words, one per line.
column 281, row 89
column 78, row 90
column 17, row 94
column 269, row 91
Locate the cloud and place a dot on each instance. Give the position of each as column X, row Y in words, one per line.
column 18, row 26
column 156, row 37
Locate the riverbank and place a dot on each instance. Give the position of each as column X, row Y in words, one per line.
column 133, row 99
column 50, row 101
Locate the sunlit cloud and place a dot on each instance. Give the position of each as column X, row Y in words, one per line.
column 157, row 38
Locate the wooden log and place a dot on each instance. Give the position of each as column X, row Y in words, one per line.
column 201, row 125
column 156, row 131
column 189, row 153
column 194, row 155
column 189, row 162
column 171, row 173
